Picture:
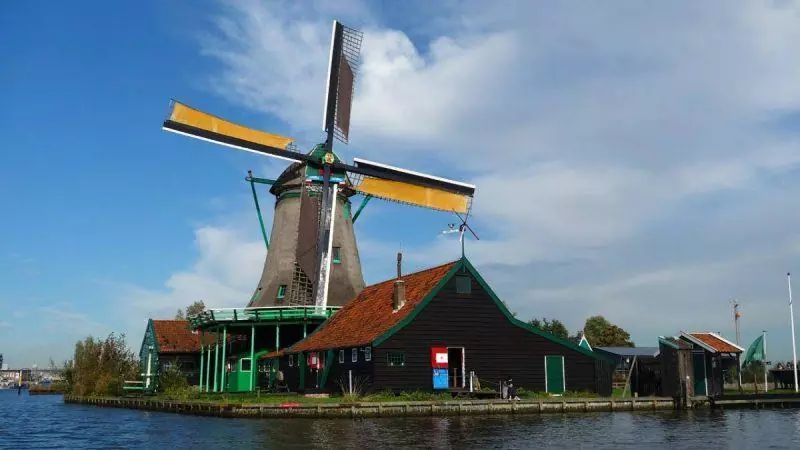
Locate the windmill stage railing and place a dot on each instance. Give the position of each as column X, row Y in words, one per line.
column 260, row 314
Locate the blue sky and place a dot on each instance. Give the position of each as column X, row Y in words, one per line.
column 635, row 162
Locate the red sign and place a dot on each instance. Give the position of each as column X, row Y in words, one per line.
column 314, row 361
column 439, row 357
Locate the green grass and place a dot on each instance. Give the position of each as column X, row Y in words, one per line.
column 383, row 396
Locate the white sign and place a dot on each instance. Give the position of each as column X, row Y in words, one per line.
column 441, row 358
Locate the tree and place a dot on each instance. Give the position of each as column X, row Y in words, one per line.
column 100, row 367
column 554, row 327
column 191, row 310
column 602, row 333
column 195, row 308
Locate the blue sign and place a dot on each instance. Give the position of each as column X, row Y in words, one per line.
column 440, row 379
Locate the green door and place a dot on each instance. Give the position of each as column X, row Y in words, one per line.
column 554, row 374
column 699, row 363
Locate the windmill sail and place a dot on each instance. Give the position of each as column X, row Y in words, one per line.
column 194, row 123
column 342, row 70
column 405, row 186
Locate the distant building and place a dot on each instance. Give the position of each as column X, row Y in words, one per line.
column 5, row 366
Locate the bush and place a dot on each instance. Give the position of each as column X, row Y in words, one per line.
column 173, row 384
column 100, row 367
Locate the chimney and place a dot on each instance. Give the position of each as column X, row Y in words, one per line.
column 399, row 295
column 399, row 264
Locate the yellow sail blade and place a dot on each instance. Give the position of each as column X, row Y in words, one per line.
column 416, row 195
column 195, row 118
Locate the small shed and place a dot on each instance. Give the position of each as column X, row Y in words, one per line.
column 677, row 375
column 712, row 357
column 167, row 343
column 433, row 330
column 637, row 367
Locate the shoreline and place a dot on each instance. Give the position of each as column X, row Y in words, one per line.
column 382, row 409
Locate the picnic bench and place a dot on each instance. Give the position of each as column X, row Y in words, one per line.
column 133, row 388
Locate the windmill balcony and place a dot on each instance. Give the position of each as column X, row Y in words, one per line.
column 275, row 314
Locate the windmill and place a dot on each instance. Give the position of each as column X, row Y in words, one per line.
column 319, row 182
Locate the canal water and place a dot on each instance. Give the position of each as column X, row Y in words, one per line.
column 41, row 422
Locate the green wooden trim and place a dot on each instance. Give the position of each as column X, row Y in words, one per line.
column 258, row 211
column 465, row 264
column 216, row 361
column 261, row 180
column 223, row 370
column 253, row 368
column 202, row 352
column 325, row 372
column 364, row 202
column 302, row 367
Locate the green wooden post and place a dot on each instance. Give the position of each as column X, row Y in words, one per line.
column 216, row 362
column 224, row 362
column 208, row 369
column 302, row 371
column 202, row 350
column 258, row 209
column 305, row 330
column 252, row 357
column 277, row 337
column 366, row 200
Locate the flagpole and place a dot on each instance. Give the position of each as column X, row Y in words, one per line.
column 764, row 359
column 791, row 316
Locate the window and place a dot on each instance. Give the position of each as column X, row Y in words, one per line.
column 367, row 353
column 291, row 360
column 245, row 365
column 395, row 359
column 341, row 356
column 354, row 353
column 463, row 284
column 281, row 291
column 336, row 255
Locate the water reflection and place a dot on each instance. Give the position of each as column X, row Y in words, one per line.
column 44, row 422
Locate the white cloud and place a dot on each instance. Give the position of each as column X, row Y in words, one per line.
column 632, row 142
column 226, row 271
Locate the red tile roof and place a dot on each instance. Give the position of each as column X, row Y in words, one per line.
column 174, row 336
column 369, row 315
column 717, row 342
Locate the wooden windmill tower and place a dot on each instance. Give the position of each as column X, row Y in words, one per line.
column 312, row 223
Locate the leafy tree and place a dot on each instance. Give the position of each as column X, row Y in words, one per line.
column 195, row 308
column 554, row 327
column 100, row 366
column 191, row 310
column 602, row 333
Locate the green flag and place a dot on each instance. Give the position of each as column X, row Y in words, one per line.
column 755, row 352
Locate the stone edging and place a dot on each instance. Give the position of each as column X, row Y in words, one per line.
column 379, row 409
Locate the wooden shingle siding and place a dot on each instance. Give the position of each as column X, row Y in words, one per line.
column 362, row 371
column 495, row 347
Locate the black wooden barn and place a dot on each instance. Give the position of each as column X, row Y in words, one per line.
column 430, row 330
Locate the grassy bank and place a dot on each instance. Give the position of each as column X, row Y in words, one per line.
column 191, row 395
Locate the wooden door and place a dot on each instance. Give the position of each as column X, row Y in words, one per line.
column 554, row 382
